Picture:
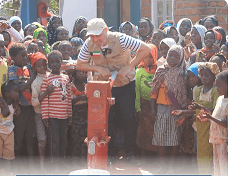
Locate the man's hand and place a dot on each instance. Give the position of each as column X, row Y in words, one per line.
column 104, row 72
column 124, row 71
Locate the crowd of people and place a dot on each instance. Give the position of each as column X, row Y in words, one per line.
column 171, row 90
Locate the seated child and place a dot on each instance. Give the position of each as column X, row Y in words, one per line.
column 10, row 93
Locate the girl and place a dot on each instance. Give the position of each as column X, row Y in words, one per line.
column 29, row 29
column 16, row 23
column 127, row 28
column 80, row 23
column 205, row 96
column 61, row 33
column 222, row 32
column 166, row 24
column 209, row 22
column 145, row 29
column 171, row 32
column 219, row 126
column 168, row 93
column 164, row 46
column 31, row 46
column 83, row 35
column 41, row 34
column 158, row 35
column 43, row 14
column 183, row 27
column 223, row 49
column 54, row 22
column 77, row 132
column 76, row 46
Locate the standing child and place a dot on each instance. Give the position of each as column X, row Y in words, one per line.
column 145, row 29
column 39, row 64
column 80, row 23
column 168, row 93
column 57, row 107
column 10, row 94
column 219, row 126
column 41, row 34
column 157, row 37
column 24, row 124
column 205, row 96
column 76, row 46
column 77, row 132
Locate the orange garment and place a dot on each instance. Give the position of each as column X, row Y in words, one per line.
column 161, row 96
column 43, row 16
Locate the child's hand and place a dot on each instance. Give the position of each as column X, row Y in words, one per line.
column 153, row 114
column 46, row 122
column 203, row 116
column 17, row 111
column 4, row 108
column 70, row 121
column 50, row 89
column 176, row 112
column 194, row 106
column 180, row 121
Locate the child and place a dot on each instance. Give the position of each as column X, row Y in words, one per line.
column 145, row 29
column 224, row 50
column 76, row 46
column 77, row 132
column 157, row 37
column 168, row 93
column 29, row 29
column 164, row 46
column 42, row 35
column 57, row 107
column 32, row 46
column 65, row 48
column 83, row 35
column 144, row 76
column 10, row 93
column 205, row 96
column 39, row 64
column 54, row 22
column 80, row 23
column 61, row 33
column 127, row 28
column 24, row 124
column 171, row 32
column 184, row 25
column 41, row 46
column 219, row 126
column 219, row 59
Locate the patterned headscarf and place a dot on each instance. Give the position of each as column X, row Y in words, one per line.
column 50, row 30
column 168, row 41
column 210, row 52
column 175, row 78
column 35, row 36
column 80, row 42
column 181, row 38
column 152, row 68
column 201, row 30
column 16, row 18
column 214, row 68
column 123, row 24
column 27, row 27
column 166, row 24
column 75, row 31
column 194, row 69
column 148, row 37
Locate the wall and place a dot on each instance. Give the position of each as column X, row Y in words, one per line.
column 146, row 8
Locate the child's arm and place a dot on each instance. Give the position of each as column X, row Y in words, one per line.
column 4, row 108
column 49, row 90
column 79, row 98
column 26, row 85
column 45, row 103
column 70, row 111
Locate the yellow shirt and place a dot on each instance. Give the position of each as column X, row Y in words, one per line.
column 161, row 96
column 3, row 73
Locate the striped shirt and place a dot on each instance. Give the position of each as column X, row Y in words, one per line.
column 126, row 42
column 59, row 103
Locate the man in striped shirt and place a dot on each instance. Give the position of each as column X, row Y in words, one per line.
column 110, row 51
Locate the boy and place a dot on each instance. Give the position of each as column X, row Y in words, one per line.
column 24, row 124
column 57, row 107
column 10, row 93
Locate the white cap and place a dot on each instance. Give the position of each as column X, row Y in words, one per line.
column 95, row 26
column 1, row 37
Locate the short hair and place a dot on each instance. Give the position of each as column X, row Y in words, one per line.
column 160, row 31
column 8, row 86
column 16, row 48
column 55, row 52
column 64, row 42
column 223, row 76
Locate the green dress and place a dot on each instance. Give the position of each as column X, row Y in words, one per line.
column 142, row 103
column 204, row 148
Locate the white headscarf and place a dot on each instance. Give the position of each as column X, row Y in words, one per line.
column 1, row 37
column 181, row 38
column 168, row 41
column 15, row 18
column 201, row 30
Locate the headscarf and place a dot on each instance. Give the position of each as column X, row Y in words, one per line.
column 152, row 68
column 123, row 24
column 37, row 24
column 210, row 52
column 201, row 30
column 168, row 29
column 168, row 41
column 15, row 18
column 181, row 38
column 27, row 27
column 148, row 37
column 175, row 78
column 194, row 69
column 214, row 68
column 35, row 36
column 30, row 41
column 36, row 56
column 43, row 15
column 80, row 42
column 50, row 30
column 166, row 24
column 75, row 31
column 1, row 38
column 222, row 32
column 211, row 18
